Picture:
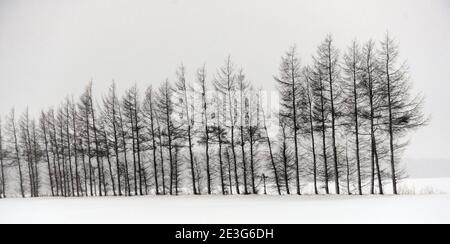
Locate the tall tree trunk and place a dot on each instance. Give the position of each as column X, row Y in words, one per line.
column 391, row 130
column 169, row 136
column 161, row 154
column 205, row 113
column 356, row 111
column 313, row 142
column 152, row 131
column 64, row 169
column 220, row 153
column 28, row 146
column 83, row 158
column 96, row 142
column 324, row 141
column 244, row 159
column 116, row 143
column 69, row 150
column 36, row 161
column 125, row 153
column 75, row 151
column 294, row 118
column 191, row 156
column 89, row 154
column 108, row 157
column 233, row 149
column 135, row 167
column 333, row 121
column 16, row 147
column 55, row 153
column 138, row 148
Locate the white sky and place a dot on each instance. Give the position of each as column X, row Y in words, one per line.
column 51, row 48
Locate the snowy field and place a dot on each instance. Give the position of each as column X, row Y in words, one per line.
column 431, row 204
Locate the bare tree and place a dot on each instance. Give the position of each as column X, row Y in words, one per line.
column 110, row 106
column 404, row 109
column 352, row 70
column 242, row 87
column 44, row 135
column 321, row 116
column 328, row 61
column 225, row 83
column 13, row 134
column 201, row 81
column 130, row 112
column 310, row 118
column 149, row 113
column 221, row 140
column 85, row 114
column 290, row 88
column 186, row 116
column 372, row 90
column 27, row 150
column 165, row 107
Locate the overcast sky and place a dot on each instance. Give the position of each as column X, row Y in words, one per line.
column 51, row 48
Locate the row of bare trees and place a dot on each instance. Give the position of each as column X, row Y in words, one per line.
column 343, row 119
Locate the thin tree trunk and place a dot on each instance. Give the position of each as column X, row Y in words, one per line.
column 16, row 147
column 55, row 154
column 64, row 170
column 152, row 127
column 348, row 170
column 208, row 170
column 36, row 162
column 220, row 154
column 272, row 159
column 169, row 135
column 69, row 150
column 294, row 108
column 227, row 153
column 356, row 111
column 377, row 164
column 244, row 160
column 99, row 161
column 108, row 157
column 244, row 165
column 75, row 150
column 83, row 157
column 116, row 144
column 124, row 144
column 391, row 130
column 285, row 162
column 138, row 149
column 333, row 121
column 134, row 153
column 313, row 142
column 324, row 143
column 161, row 154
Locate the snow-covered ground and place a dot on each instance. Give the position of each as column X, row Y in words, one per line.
column 431, row 204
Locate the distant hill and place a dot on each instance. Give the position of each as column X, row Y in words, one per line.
column 428, row 168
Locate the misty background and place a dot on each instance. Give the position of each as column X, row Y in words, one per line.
column 51, row 49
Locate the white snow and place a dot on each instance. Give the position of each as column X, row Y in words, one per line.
column 430, row 205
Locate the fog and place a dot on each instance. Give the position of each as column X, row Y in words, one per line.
column 51, row 49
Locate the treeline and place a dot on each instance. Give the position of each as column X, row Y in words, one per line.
column 341, row 128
